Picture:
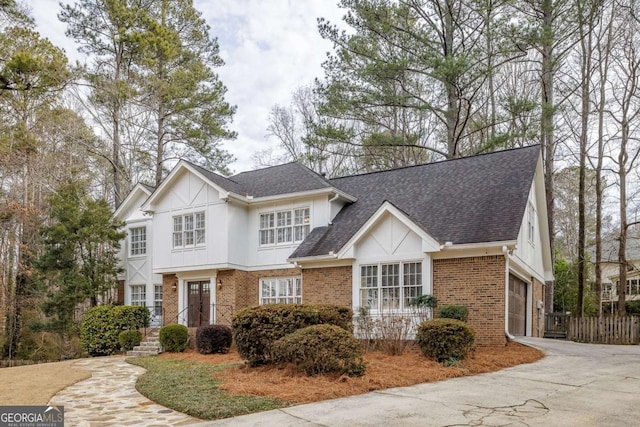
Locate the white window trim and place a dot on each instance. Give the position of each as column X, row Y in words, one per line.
column 183, row 232
column 142, row 249
column 143, row 295
column 278, row 280
column 293, row 226
column 531, row 221
column 424, row 277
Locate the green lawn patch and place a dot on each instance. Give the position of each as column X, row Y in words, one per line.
column 189, row 387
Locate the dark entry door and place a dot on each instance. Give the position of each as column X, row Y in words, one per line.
column 517, row 306
column 199, row 303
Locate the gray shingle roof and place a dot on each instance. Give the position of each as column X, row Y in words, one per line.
column 610, row 249
column 271, row 181
column 470, row 200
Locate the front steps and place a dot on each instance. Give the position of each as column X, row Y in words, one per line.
column 150, row 346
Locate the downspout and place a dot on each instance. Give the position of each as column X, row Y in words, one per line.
column 505, row 251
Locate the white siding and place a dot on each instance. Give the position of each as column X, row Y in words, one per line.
column 276, row 255
column 190, row 194
column 528, row 254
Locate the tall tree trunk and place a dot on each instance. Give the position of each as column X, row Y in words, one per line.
column 622, row 237
column 585, row 24
column 452, row 98
column 603, row 65
column 546, row 126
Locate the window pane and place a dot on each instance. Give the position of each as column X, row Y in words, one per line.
column 369, row 298
column 301, row 216
column 188, row 238
column 177, row 239
column 284, row 219
column 284, row 235
column 200, row 220
column 188, row 222
column 412, row 286
column 199, row 237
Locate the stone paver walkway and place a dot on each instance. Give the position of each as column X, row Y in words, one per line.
column 109, row 398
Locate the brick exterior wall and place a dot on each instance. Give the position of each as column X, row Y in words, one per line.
column 327, row 286
column 537, row 322
column 478, row 283
column 240, row 289
column 169, row 299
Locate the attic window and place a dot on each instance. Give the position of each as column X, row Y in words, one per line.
column 138, row 241
column 531, row 221
column 284, row 227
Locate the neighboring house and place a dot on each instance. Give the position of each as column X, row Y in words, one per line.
column 470, row 231
column 611, row 272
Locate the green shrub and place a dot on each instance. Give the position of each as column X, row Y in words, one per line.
column 213, row 339
column 445, row 340
column 632, row 307
column 451, row 311
column 129, row 339
column 256, row 328
column 101, row 327
column 174, row 337
column 320, row 349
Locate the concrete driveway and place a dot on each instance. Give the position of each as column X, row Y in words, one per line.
column 574, row 385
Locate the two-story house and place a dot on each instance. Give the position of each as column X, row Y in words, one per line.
column 611, row 273
column 470, row 231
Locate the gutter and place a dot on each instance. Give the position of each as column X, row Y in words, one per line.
column 505, row 251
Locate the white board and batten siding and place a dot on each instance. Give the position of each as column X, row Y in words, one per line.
column 190, row 194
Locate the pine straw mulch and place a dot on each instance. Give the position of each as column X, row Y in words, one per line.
column 383, row 371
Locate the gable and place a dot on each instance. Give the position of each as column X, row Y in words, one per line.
column 389, row 238
column 185, row 189
column 130, row 209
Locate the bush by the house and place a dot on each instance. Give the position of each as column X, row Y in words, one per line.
column 174, row 337
column 452, row 311
column 320, row 349
column 101, row 327
column 445, row 340
column 256, row 328
column 632, row 308
column 129, row 339
column 213, row 339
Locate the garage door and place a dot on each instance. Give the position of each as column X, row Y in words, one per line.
column 517, row 306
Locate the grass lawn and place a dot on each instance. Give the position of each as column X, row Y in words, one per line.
column 219, row 386
column 190, row 387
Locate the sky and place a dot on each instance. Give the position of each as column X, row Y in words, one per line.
column 270, row 48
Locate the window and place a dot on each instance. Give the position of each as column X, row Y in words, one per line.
column 286, row 290
column 531, row 218
column 138, row 241
column 390, row 286
column 157, row 300
column 139, row 295
column 189, row 230
column 284, row 227
column 632, row 286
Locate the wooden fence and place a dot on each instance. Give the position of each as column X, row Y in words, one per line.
column 604, row 330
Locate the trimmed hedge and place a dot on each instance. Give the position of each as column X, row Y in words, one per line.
column 213, row 339
column 174, row 338
column 320, row 349
column 256, row 328
column 445, row 340
column 452, row 311
column 101, row 326
column 129, row 339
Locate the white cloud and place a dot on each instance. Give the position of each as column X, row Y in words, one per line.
column 269, row 48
